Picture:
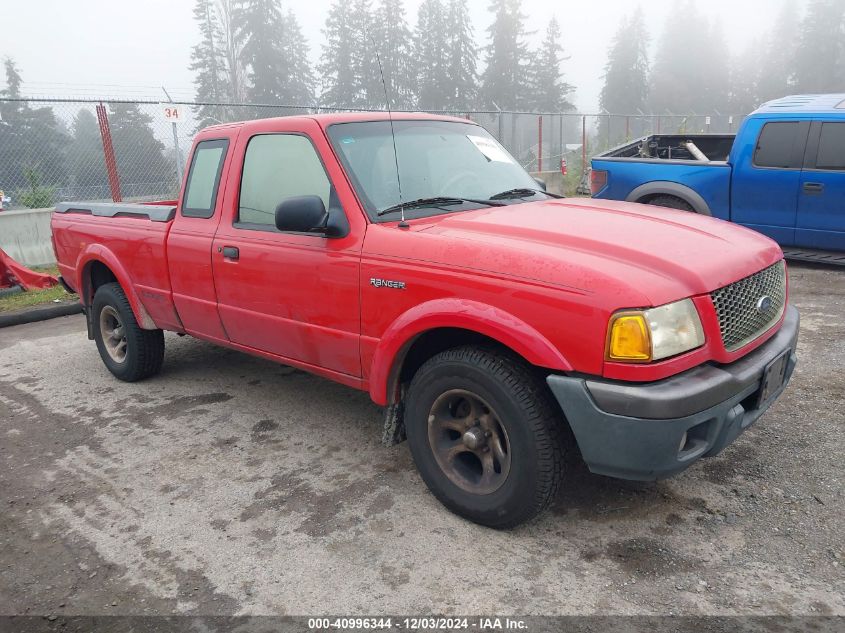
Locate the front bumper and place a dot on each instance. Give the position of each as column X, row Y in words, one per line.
column 655, row 430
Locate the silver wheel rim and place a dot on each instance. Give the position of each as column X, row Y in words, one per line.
column 469, row 442
column 113, row 334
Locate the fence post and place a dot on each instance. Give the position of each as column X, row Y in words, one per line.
column 501, row 138
column 176, row 153
column 540, row 143
column 108, row 153
column 560, row 133
column 583, row 144
column 627, row 128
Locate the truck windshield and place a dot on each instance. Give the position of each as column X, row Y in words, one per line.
column 437, row 160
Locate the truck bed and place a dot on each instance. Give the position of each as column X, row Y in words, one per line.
column 131, row 239
column 663, row 147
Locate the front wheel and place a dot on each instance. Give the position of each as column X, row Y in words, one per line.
column 485, row 436
column 128, row 351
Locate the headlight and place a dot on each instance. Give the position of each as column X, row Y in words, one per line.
column 640, row 336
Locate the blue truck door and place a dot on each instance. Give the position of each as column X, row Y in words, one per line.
column 821, row 204
column 767, row 176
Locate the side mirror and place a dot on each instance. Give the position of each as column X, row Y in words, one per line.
column 301, row 214
column 540, row 183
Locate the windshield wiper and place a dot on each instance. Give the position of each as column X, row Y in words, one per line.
column 521, row 192
column 437, row 201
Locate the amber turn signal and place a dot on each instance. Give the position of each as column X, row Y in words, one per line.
column 629, row 338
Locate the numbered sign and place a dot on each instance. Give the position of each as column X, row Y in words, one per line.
column 171, row 112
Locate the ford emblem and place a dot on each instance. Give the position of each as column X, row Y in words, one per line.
column 764, row 304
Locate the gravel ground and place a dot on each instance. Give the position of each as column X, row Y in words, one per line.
column 229, row 485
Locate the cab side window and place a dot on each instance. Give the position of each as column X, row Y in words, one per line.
column 277, row 167
column 831, row 154
column 204, row 179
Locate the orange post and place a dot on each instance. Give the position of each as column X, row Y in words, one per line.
column 108, row 153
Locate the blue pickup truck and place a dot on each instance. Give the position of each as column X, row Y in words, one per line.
column 783, row 174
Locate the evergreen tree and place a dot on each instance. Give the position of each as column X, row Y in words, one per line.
column 714, row 71
column 348, row 64
column 820, row 52
column 208, row 62
column 273, row 52
column 431, row 54
column 548, row 90
column 339, row 83
column 369, row 92
column 691, row 66
column 231, row 44
column 299, row 79
column 391, row 32
column 625, row 89
column 745, row 79
column 13, row 79
column 259, row 26
column 505, row 80
column 88, row 177
column 11, row 131
column 777, row 61
column 141, row 163
column 33, row 144
column 461, row 86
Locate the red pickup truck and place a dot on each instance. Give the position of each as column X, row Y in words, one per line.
column 501, row 327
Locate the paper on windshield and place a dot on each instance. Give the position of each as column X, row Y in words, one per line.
column 491, row 149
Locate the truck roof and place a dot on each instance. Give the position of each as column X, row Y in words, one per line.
column 349, row 117
column 805, row 104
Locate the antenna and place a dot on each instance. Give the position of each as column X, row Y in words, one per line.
column 402, row 223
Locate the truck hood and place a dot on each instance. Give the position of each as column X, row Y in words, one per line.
column 657, row 255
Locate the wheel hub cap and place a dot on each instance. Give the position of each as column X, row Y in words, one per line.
column 113, row 334
column 469, row 442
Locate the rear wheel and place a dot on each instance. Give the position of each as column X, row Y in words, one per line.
column 485, row 435
column 128, row 351
column 671, row 202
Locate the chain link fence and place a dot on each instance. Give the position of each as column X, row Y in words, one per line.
column 54, row 150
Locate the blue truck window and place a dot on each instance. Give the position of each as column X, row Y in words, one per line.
column 776, row 145
column 831, row 147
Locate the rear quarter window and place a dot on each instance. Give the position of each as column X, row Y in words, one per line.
column 204, row 179
column 777, row 144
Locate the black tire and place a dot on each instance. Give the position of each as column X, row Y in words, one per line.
column 533, row 427
column 671, row 202
column 6, row 292
column 143, row 350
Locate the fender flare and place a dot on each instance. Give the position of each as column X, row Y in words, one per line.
column 464, row 314
column 668, row 188
column 99, row 253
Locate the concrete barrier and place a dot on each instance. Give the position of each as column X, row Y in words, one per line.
column 25, row 236
column 554, row 181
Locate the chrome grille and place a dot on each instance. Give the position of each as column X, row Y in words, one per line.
column 743, row 312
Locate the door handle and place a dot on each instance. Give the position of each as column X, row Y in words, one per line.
column 230, row 252
column 813, row 188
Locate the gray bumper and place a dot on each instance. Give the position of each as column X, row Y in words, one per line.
column 655, row 430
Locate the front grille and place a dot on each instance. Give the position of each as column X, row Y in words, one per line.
column 744, row 314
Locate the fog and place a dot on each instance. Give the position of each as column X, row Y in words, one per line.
column 101, row 48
